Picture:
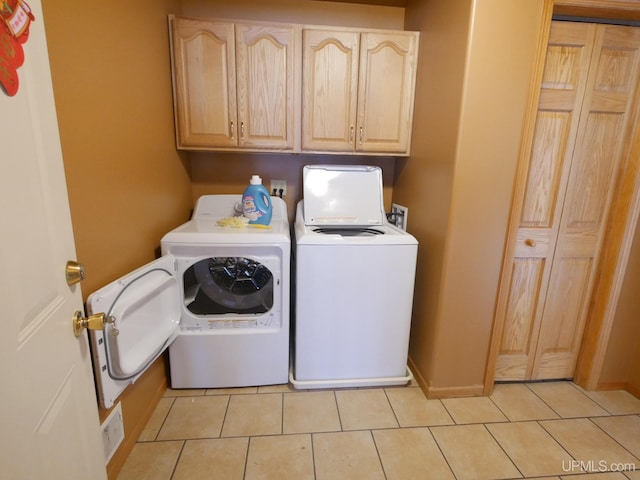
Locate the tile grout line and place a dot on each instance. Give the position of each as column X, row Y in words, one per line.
column 375, row 445
column 444, row 405
column 611, row 436
column 554, row 438
column 313, row 456
column 335, row 399
column 499, row 409
column 560, row 417
column 246, row 458
column 175, row 465
column 435, row 440
column 393, row 410
column 583, row 392
column 515, row 465
column 164, row 420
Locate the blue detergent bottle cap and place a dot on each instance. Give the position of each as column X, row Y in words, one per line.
column 256, row 202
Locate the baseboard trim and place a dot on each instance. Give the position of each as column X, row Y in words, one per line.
column 432, row 392
column 633, row 390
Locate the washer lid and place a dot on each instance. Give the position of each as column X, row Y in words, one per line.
column 343, row 195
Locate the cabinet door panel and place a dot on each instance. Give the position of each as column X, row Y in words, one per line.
column 385, row 91
column 265, row 75
column 205, row 83
column 329, row 89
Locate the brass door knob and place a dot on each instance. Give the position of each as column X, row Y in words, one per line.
column 97, row 321
column 74, row 272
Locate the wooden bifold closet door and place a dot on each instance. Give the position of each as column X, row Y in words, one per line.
column 585, row 109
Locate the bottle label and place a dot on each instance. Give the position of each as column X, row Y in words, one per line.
column 249, row 208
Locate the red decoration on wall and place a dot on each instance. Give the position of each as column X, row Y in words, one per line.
column 15, row 18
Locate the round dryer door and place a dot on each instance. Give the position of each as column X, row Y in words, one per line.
column 229, row 285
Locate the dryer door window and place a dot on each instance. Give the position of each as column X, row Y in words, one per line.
column 220, row 285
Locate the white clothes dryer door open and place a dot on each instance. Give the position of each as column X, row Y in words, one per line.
column 218, row 298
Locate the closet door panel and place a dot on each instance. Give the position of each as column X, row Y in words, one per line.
column 593, row 172
column 586, row 114
column 543, row 183
column 563, row 86
column 523, row 310
column 562, row 322
column 595, row 165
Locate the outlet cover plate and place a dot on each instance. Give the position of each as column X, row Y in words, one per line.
column 402, row 218
column 276, row 186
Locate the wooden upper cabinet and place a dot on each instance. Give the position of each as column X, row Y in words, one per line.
column 329, row 89
column 252, row 86
column 265, row 66
column 358, row 90
column 386, row 89
column 204, row 83
column 234, row 84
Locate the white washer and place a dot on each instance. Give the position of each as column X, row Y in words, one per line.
column 354, row 283
column 218, row 298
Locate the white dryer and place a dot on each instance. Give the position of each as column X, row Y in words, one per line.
column 354, row 283
column 218, row 298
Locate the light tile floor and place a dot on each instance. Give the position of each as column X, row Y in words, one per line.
column 551, row 430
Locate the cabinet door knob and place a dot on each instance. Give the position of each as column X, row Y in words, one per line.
column 530, row 242
column 231, row 130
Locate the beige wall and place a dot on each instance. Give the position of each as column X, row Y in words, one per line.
column 230, row 173
column 299, row 11
column 127, row 184
column 424, row 181
column 458, row 182
column 621, row 365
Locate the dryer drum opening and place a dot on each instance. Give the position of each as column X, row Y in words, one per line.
column 238, row 283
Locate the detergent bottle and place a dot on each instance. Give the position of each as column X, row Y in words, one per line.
column 256, row 202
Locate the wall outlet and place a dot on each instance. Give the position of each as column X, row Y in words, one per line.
column 112, row 432
column 400, row 216
column 278, row 188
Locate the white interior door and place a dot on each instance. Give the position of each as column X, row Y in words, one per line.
column 49, row 417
